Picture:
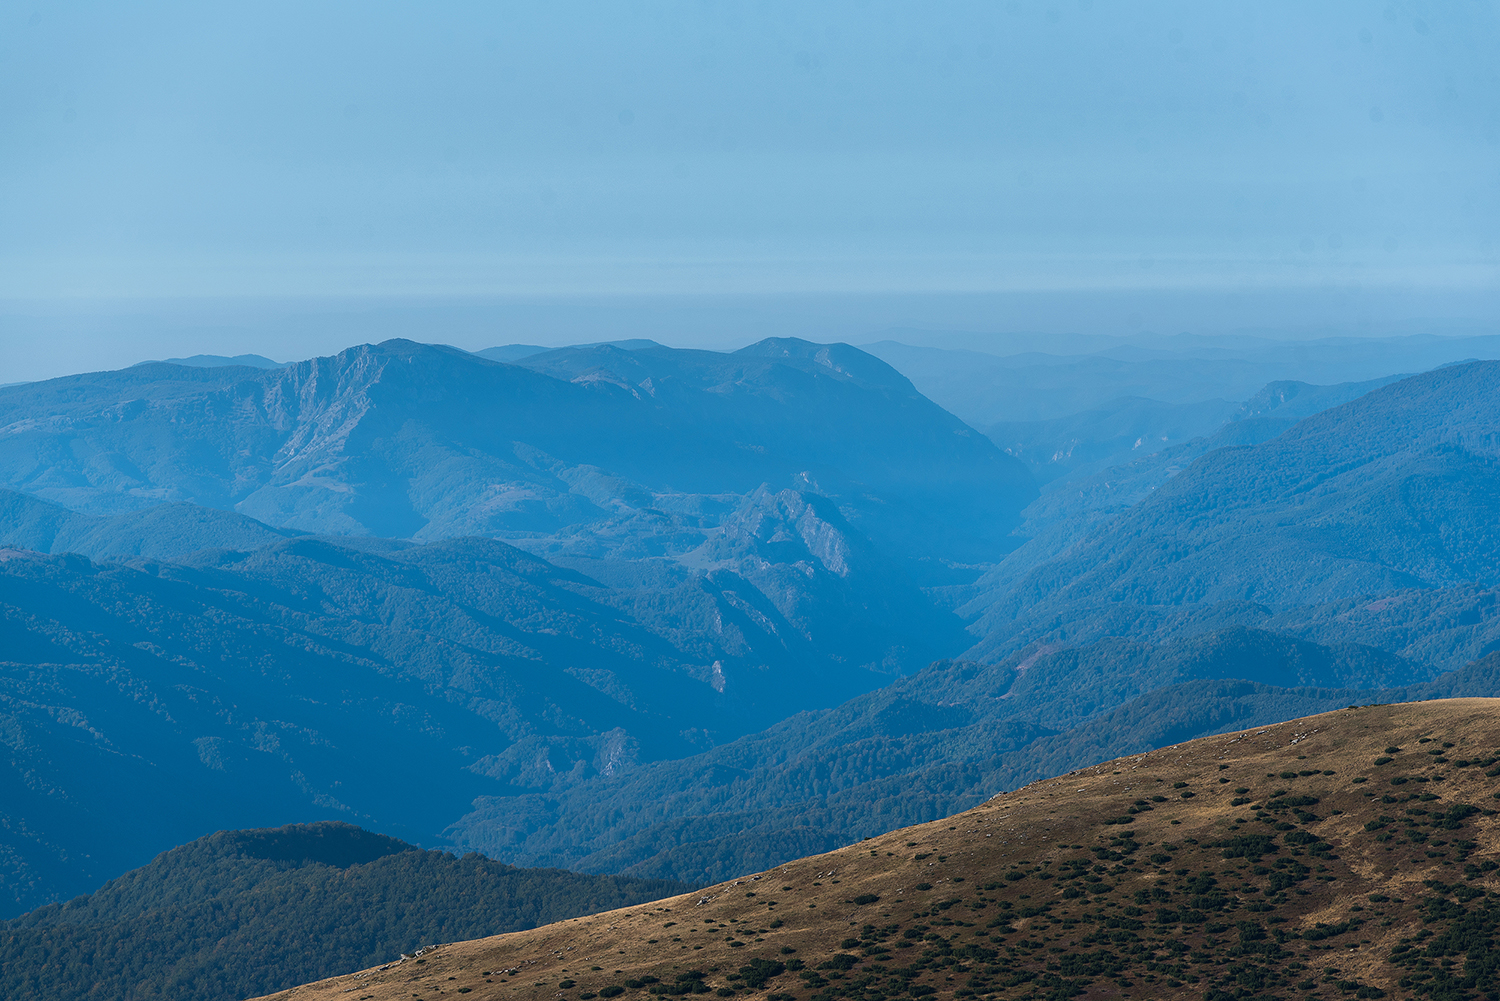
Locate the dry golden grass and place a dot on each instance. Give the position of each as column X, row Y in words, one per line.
column 1091, row 908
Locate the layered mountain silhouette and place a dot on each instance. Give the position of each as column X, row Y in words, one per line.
column 418, row 441
column 205, row 628
column 625, row 608
column 1390, row 493
column 1050, row 377
column 1152, row 440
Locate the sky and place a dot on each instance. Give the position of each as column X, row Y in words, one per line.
column 221, row 160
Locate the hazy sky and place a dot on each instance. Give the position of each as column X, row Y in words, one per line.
column 158, row 148
column 155, row 151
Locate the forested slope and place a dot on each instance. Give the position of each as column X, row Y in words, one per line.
column 936, row 743
column 241, row 913
column 320, row 678
column 1391, row 492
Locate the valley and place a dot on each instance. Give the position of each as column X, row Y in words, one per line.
column 855, row 501
column 237, row 598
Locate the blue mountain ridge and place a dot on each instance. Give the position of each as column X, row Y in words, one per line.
column 666, row 648
column 1388, row 494
column 417, row 441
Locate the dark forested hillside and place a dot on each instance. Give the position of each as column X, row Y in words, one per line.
column 544, row 722
column 546, row 718
column 935, row 743
column 243, row 913
column 321, row 678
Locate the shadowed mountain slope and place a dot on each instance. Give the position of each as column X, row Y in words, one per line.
column 547, row 717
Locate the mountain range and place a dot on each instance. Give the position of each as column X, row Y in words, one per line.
column 711, row 543
column 321, row 677
column 1154, row 437
column 681, row 614
column 417, row 441
column 1389, row 494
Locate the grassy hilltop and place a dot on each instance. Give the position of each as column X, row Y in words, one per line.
column 1349, row 854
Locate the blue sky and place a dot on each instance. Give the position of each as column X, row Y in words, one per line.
column 187, row 149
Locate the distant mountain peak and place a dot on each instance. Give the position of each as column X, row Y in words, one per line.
column 221, row 361
column 839, row 360
column 402, row 439
column 516, row 352
column 511, row 352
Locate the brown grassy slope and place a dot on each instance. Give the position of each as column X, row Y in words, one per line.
column 1292, row 860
